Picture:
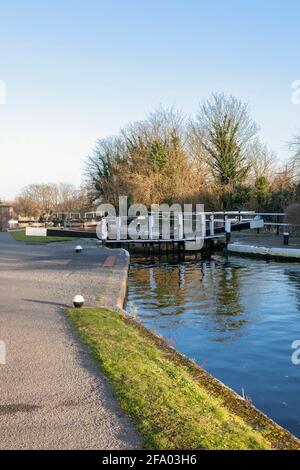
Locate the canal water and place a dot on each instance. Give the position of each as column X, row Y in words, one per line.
column 235, row 317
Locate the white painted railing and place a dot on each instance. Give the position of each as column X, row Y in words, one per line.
column 208, row 220
column 152, row 228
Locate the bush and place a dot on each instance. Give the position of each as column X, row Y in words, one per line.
column 292, row 214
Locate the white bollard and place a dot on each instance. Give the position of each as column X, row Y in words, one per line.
column 78, row 301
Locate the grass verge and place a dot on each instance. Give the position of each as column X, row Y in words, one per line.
column 169, row 408
column 20, row 236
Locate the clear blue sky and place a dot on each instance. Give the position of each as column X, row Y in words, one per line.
column 79, row 70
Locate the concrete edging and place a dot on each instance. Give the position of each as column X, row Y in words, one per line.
column 114, row 291
column 261, row 251
column 123, row 282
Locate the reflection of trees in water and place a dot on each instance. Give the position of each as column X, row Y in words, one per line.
column 228, row 305
column 294, row 279
column 163, row 286
column 206, row 291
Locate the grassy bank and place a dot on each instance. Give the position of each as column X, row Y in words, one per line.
column 171, row 410
column 20, row 236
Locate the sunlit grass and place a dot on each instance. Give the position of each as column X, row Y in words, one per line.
column 20, row 236
column 170, row 410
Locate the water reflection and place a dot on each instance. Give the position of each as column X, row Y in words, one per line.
column 207, row 288
column 229, row 309
column 294, row 277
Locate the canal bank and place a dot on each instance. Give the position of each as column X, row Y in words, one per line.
column 134, row 358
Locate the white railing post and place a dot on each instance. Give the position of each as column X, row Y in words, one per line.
column 150, row 226
column 203, row 224
column 212, row 225
column 227, row 225
column 180, row 226
column 227, row 229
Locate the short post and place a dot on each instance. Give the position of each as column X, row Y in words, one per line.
column 286, row 237
column 277, row 222
column 78, row 301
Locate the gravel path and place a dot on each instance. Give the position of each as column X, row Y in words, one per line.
column 51, row 394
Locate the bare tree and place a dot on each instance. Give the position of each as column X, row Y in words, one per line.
column 26, row 206
column 295, row 148
column 38, row 199
column 263, row 162
column 69, row 198
column 42, row 200
column 284, row 178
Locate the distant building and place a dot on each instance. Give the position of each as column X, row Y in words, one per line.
column 7, row 217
